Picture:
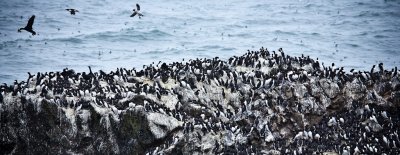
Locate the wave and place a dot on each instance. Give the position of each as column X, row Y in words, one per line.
column 72, row 39
column 380, row 36
column 155, row 52
column 158, row 33
column 284, row 32
column 368, row 14
column 233, row 26
column 128, row 35
column 228, row 49
column 211, row 47
column 352, row 45
column 66, row 40
column 362, row 34
column 312, row 5
column 261, row 6
column 15, row 42
column 243, row 35
column 263, row 22
column 202, row 19
column 308, row 34
column 393, row 13
column 344, row 22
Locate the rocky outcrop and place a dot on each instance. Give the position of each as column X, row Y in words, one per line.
column 262, row 102
column 160, row 125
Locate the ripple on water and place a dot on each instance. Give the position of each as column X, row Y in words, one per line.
column 73, row 40
column 7, row 76
column 284, row 32
column 211, row 47
column 380, row 36
column 228, row 49
column 351, row 45
column 363, row 34
column 154, row 52
column 368, row 14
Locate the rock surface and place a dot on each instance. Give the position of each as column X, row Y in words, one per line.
column 262, row 102
column 160, row 125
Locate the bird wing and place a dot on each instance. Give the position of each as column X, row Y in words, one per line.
column 133, row 15
column 137, row 6
column 30, row 22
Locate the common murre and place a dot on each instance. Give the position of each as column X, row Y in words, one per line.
column 28, row 26
column 72, row 11
column 136, row 12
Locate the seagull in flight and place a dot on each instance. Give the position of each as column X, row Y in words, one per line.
column 28, row 26
column 72, row 11
column 136, row 12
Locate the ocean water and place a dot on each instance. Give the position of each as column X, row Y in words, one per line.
column 354, row 34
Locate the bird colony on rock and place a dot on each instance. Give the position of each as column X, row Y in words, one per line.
column 263, row 102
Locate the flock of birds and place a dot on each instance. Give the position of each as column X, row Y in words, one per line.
column 218, row 92
column 31, row 20
column 210, row 95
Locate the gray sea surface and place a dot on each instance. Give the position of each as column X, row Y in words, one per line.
column 351, row 33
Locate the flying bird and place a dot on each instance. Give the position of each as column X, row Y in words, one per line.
column 28, row 26
column 72, row 11
column 137, row 11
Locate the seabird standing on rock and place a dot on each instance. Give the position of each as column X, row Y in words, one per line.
column 72, row 11
column 137, row 11
column 28, row 26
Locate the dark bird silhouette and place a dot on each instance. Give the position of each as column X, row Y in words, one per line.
column 136, row 12
column 72, row 11
column 28, row 26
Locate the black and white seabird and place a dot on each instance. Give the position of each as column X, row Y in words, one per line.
column 72, row 11
column 28, row 26
column 136, row 12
